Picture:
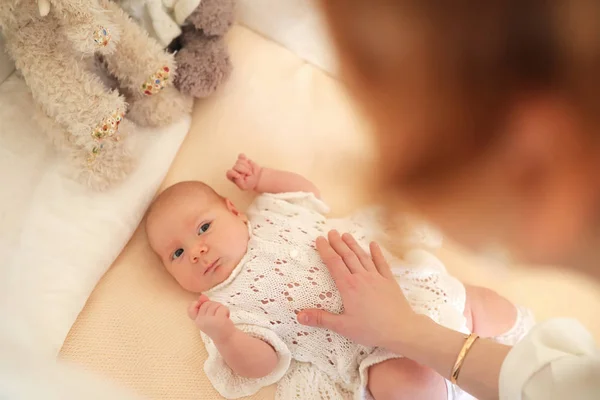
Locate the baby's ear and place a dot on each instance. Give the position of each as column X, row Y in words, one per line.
column 231, row 207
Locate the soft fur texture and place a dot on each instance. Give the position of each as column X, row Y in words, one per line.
column 204, row 58
column 54, row 53
column 200, row 51
column 203, row 63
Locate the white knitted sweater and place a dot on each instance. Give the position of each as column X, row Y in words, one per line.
column 281, row 274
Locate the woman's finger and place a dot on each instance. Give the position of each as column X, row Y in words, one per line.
column 364, row 257
column 349, row 257
column 242, row 156
column 332, row 260
column 380, row 262
column 321, row 319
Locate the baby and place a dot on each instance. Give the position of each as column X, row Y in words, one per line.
column 256, row 270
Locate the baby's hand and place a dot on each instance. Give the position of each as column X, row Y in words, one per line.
column 245, row 173
column 212, row 318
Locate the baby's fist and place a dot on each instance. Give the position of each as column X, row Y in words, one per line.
column 245, row 173
column 212, row 318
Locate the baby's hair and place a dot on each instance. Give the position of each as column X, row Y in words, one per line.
column 180, row 189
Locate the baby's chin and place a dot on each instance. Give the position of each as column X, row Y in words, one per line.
column 206, row 283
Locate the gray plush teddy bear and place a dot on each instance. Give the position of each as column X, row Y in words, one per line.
column 194, row 30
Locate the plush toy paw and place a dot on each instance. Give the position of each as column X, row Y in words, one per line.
column 157, row 81
column 160, row 109
column 101, row 37
column 100, row 164
column 202, row 66
column 213, row 17
column 108, row 163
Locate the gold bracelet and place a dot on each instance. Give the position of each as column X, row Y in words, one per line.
column 461, row 357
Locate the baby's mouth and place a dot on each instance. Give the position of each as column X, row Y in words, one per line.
column 212, row 266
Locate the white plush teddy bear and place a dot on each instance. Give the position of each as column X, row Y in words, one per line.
column 54, row 44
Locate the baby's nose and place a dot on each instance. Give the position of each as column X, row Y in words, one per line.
column 198, row 252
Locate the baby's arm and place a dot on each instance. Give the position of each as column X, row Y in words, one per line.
column 247, row 175
column 276, row 181
column 247, row 356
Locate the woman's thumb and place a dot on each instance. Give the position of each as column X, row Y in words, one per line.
column 319, row 319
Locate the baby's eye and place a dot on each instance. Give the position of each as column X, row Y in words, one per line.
column 203, row 228
column 177, row 254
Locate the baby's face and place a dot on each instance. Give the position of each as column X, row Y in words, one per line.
column 199, row 239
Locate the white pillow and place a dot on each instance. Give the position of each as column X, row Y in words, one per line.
column 295, row 24
column 24, row 374
column 57, row 238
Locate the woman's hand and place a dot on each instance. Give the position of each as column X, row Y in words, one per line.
column 376, row 312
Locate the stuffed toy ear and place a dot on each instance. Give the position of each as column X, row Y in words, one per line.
column 44, row 7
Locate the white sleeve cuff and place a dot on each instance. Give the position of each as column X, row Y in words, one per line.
column 557, row 358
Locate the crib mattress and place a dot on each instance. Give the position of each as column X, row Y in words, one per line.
column 285, row 113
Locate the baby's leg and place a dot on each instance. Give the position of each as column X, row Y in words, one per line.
column 488, row 314
column 404, row 379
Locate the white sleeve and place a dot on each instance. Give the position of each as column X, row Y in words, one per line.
column 558, row 359
column 285, row 202
column 228, row 383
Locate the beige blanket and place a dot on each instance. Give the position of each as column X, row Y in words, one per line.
column 284, row 113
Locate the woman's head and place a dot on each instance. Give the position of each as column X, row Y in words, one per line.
column 486, row 113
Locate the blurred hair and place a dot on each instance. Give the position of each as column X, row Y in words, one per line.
column 457, row 68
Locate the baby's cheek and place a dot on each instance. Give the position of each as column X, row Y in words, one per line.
column 187, row 278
